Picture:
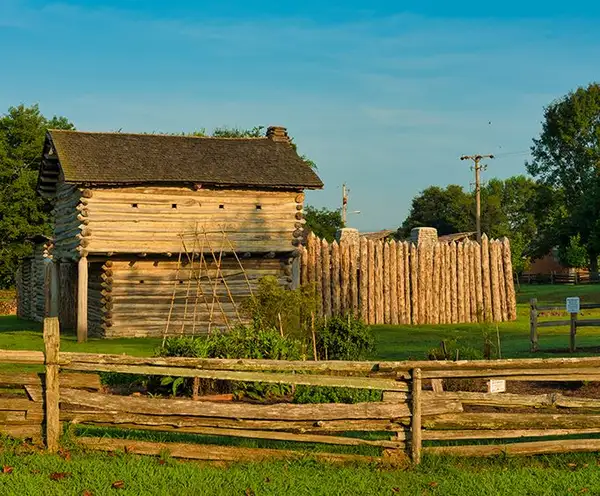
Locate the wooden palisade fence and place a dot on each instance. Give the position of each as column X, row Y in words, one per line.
column 390, row 282
column 411, row 413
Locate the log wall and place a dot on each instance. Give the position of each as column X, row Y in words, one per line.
column 69, row 221
column 401, row 282
column 135, row 298
column 31, row 283
column 174, row 219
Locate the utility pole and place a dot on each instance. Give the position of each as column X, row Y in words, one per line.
column 345, row 212
column 344, row 204
column 478, row 168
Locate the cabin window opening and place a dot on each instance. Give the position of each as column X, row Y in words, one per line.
column 258, row 207
column 134, row 205
column 141, row 281
column 180, row 281
column 221, row 206
column 174, row 205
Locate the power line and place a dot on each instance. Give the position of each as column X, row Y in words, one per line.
column 508, row 154
column 478, row 168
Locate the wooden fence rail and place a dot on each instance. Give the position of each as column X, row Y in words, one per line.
column 390, row 282
column 411, row 413
column 573, row 322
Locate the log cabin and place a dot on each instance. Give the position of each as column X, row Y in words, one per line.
column 158, row 234
column 31, row 280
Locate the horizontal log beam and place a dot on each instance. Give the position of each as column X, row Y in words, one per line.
column 504, row 421
column 324, row 367
column 458, row 435
column 266, row 377
column 71, row 413
column 209, row 452
column 279, row 412
column 529, row 448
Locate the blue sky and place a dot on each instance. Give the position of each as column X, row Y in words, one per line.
column 384, row 96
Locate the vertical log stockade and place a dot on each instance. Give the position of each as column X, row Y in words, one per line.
column 393, row 282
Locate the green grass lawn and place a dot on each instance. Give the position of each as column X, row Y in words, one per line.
column 392, row 342
column 95, row 473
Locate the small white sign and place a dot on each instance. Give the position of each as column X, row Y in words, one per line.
column 496, row 386
column 573, row 304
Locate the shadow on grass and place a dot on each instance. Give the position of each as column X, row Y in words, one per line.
column 12, row 323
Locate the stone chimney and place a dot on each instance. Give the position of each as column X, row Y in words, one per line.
column 278, row 133
column 424, row 235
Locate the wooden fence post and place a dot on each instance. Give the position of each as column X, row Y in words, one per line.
column 379, row 303
column 572, row 346
column 52, row 392
column 318, row 275
column 415, row 425
column 82, row 300
column 364, row 280
column 335, row 279
column 372, row 291
column 414, row 284
column 387, row 301
column 326, row 277
column 533, row 320
column 393, row 283
column 354, row 249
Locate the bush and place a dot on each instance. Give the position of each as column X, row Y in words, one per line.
column 272, row 306
column 241, row 342
column 346, row 338
column 323, row 394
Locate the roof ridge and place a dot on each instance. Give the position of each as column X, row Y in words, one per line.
column 114, row 133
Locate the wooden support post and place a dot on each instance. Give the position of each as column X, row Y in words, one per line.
column 326, row 277
column 415, row 426
column 82, row 300
column 52, row 346
column 572, row 346
column 364, row 280
column 533, row 321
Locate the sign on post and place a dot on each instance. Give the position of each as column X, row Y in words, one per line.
column 573, row 304
column 496, row 386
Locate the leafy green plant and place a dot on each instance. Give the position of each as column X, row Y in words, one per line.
column 174, row 382
column 274, row 307
column 324, row 394
column 241, row 342
column 451, row 350
column 344, row 338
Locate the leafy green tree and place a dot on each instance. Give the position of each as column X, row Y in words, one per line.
column 448, row 209
column 323, row 222
column 566, row 158
column 23, row 213
column 573, row 254
column 507, row 209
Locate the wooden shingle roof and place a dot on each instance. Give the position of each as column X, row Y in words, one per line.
column 122, row 159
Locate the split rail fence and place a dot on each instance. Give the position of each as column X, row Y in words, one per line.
column 390, row 282
column 573, row 322
column 412, row 418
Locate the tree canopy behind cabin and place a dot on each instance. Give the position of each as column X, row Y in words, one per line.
column 23, row 213
column 323, row 222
